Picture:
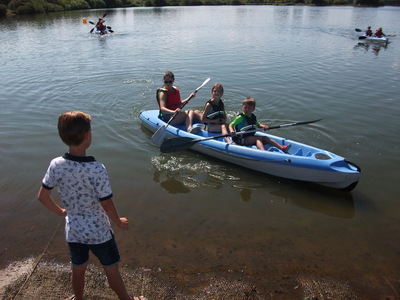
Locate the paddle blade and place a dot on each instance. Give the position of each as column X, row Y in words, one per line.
column 204, row 83
column 362, row 37
column 358, row 30
column 306, row 122
column 159, row 136
column 92, row 30
column 293, row 124
column 177, row 144
column 91, row 22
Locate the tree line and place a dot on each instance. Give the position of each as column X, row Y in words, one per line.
column 9, row 7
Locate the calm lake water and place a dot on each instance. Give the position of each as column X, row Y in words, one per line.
column 189, row 212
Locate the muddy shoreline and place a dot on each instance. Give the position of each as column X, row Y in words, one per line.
column 31, row 279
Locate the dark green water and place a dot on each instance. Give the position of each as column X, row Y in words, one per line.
column 187, row 211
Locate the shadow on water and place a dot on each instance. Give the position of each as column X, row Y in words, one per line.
column 181, row 173
column 170, row 184
column 326, row 201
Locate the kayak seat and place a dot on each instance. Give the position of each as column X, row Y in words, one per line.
column 322, row 156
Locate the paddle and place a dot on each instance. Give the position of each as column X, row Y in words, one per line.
column 159, row 135
column 358, row 30
column 91, row 31
column 184, row 143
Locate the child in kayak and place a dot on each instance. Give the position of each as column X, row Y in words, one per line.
column 248, row 121
column 100, row 26
column 214, row 115
column 368, row 32
column 379, row 33
column 86, row 194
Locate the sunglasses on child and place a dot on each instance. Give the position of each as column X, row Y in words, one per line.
column 168, row 81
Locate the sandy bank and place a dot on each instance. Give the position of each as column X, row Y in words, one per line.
column 44, row 280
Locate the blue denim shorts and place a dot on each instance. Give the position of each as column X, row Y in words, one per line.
column 107, row 253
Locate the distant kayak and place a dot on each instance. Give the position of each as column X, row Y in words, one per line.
column 302, row 162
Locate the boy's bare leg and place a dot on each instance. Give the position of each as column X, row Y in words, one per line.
column 260, row 144
column 116, row 283
column 273, row 143
column 78, row 280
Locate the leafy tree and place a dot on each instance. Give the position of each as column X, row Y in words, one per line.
column 96, row 3
column 3, row 10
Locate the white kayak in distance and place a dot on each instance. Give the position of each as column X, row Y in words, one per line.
column 302, row 162
column 383, row 39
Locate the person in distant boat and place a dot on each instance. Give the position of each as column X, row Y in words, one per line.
column 100, row 26
column 248, row 121
column 214, row 115
column 85, row 191
column 368, row 32
column 379, row 33
column 169, row 101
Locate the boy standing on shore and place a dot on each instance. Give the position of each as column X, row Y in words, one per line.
column 86, row 194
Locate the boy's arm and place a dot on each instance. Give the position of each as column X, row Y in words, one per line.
column 45, row 198
column 263, row 126
column 232, row 125
column 109, row 207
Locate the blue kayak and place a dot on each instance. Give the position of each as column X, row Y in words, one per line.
column 302, row 162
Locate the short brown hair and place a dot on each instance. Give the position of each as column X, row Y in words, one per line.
column 249, row 101
column 72, row 127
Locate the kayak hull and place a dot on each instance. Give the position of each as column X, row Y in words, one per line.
column 98, row 32
column 383, row 39
column 302, row 162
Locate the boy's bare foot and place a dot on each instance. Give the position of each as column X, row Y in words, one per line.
column 139, row 298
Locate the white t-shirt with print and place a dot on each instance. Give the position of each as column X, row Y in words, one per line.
column 82, row 183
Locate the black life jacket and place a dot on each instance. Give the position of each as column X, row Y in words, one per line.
column 217, row 110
